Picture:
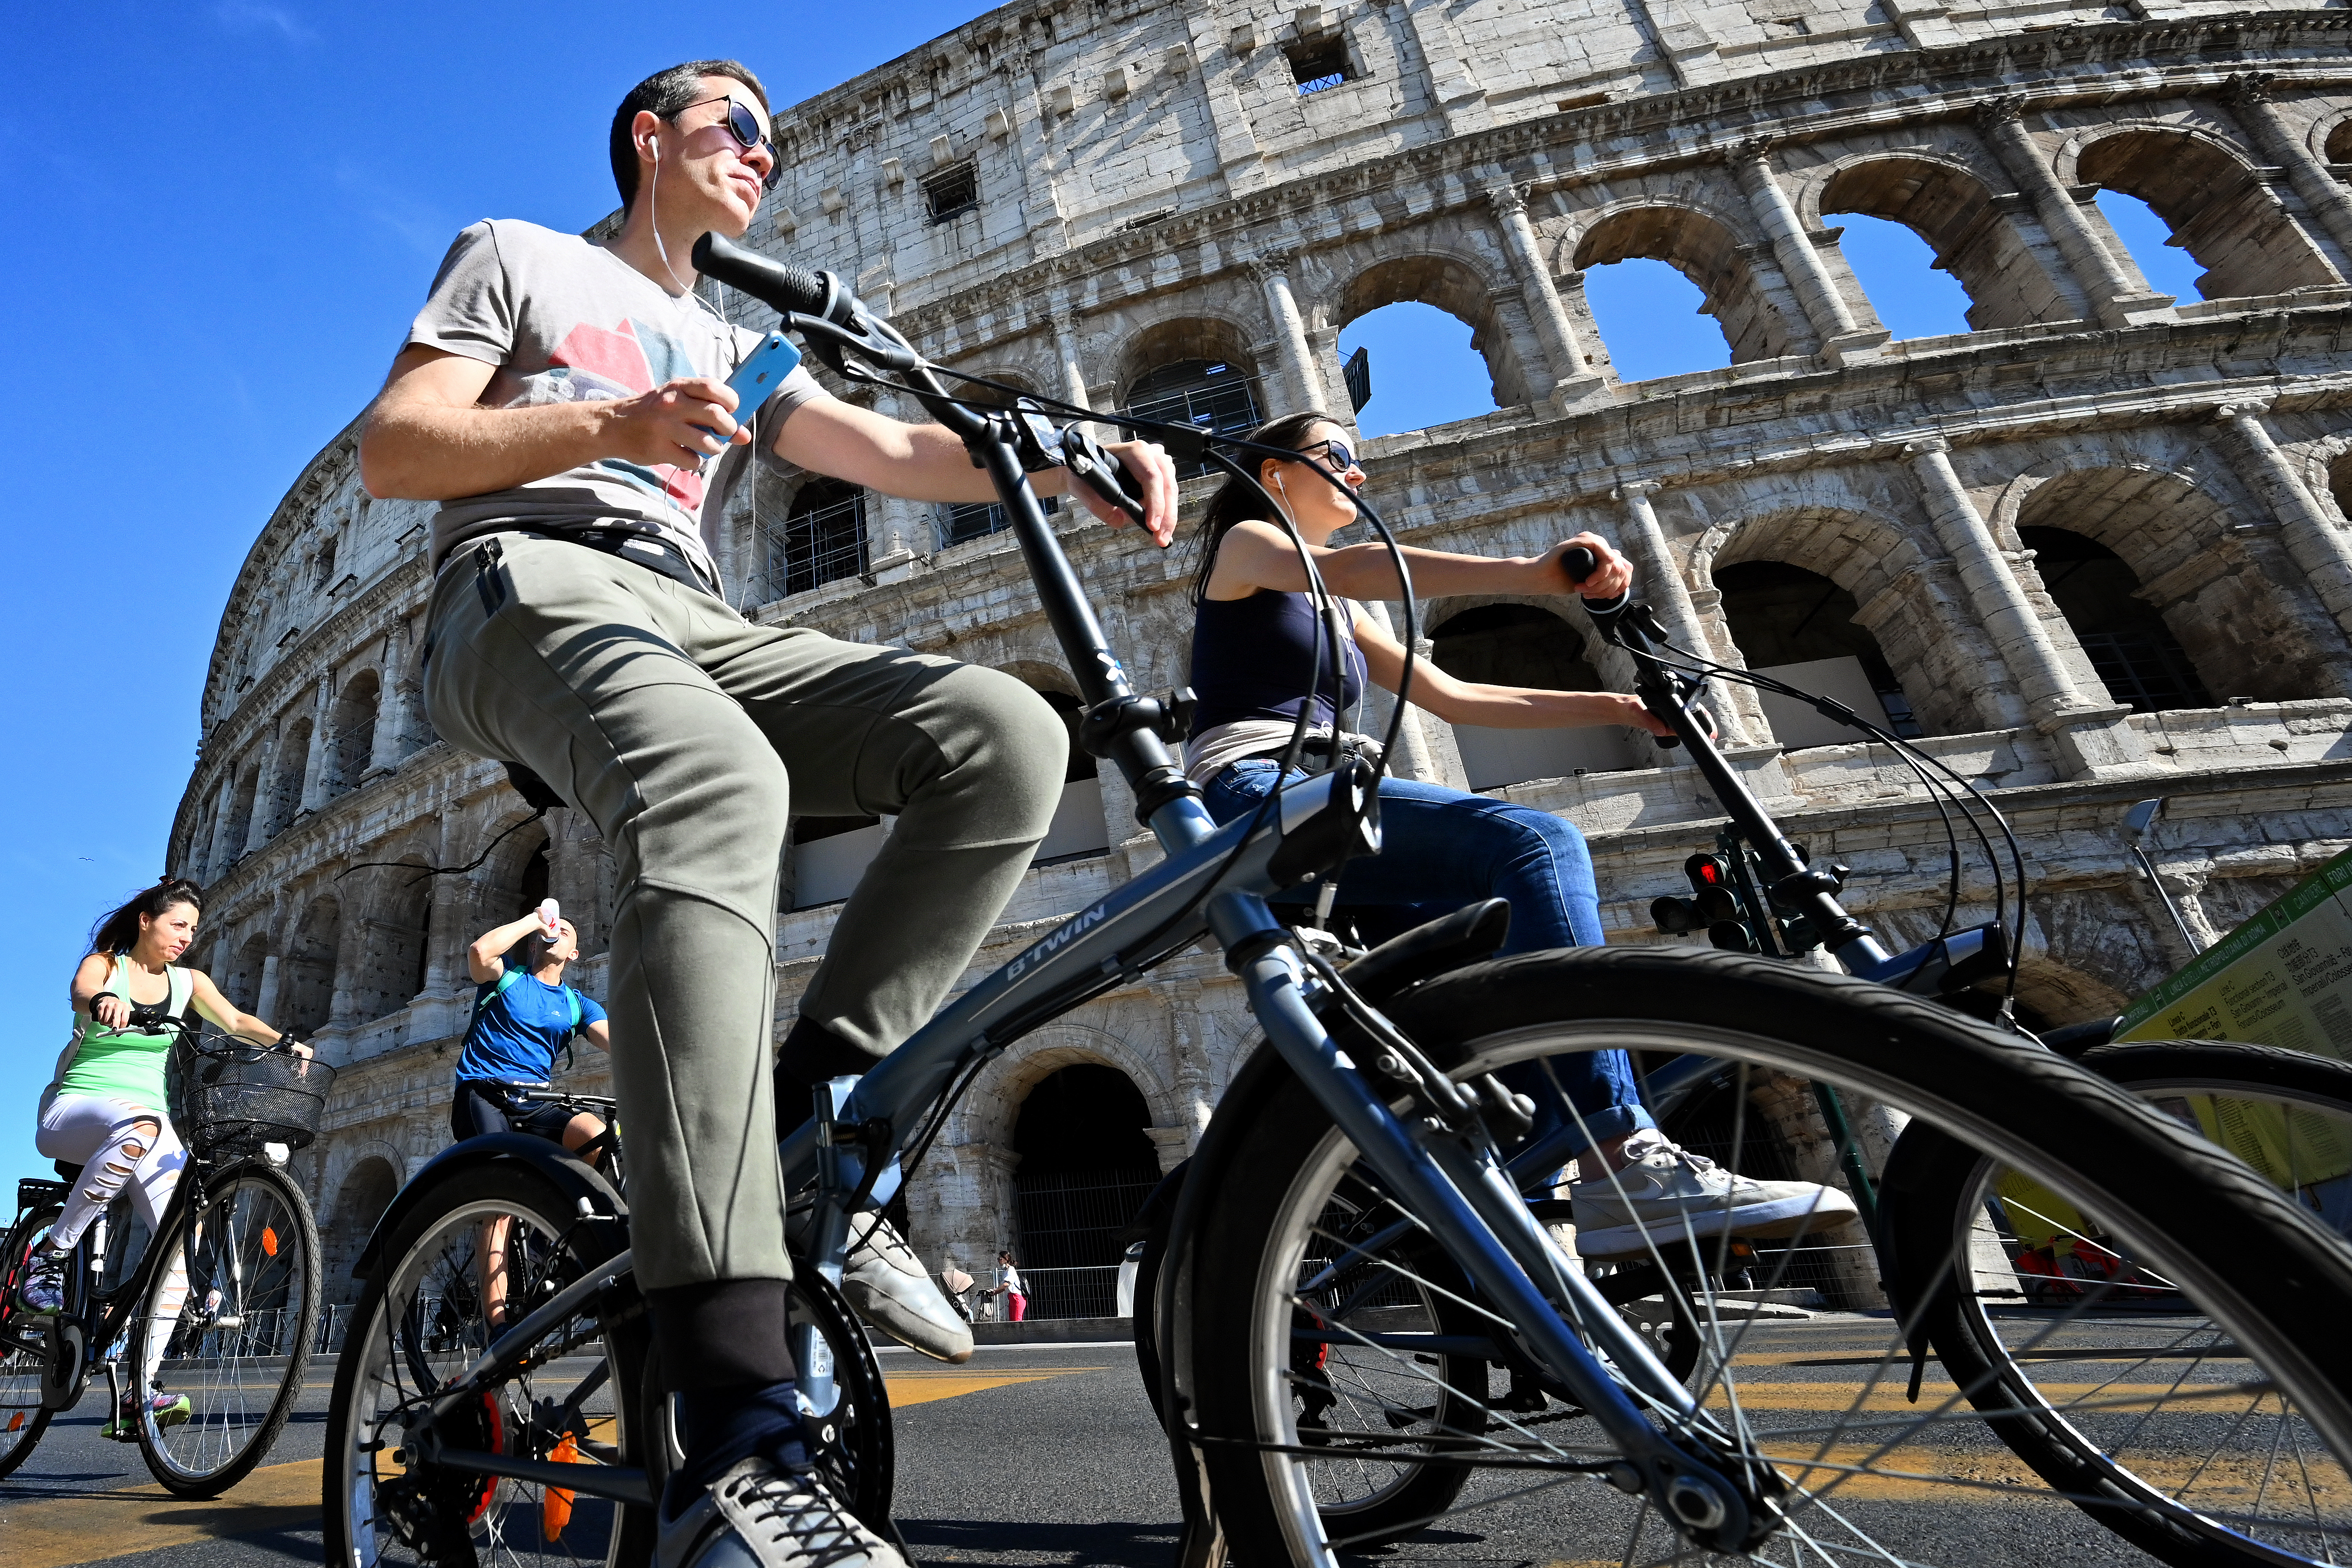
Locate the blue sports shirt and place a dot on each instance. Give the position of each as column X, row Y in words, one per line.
column 519, row 1023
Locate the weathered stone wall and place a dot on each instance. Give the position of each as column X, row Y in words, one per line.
column 1151, row 188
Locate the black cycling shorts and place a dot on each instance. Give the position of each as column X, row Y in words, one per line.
column 481, row 1106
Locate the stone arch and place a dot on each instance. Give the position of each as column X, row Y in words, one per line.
column 354, row 730
column 2221, row 601
column 368, row 1184
column 820, row 537
column 2124, row 639
column 1902, row 611
column 1448, row 283
column 306, row 972
column 1948, row 206
column 1212, row 339
column 289, row 774
column 238, row 830
column 990, row 1110
column 241, row 980
column 2336, row 147
column 395, row 944
column 2219, row 212
column 1711, row 253
column 1512, row 639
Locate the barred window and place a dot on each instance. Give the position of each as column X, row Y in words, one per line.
column 1320, row 64
column 822, row 539
column 961, row 520
column 951, row 192
column 1214, row 394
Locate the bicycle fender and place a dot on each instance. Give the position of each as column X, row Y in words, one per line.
column 574, row 1177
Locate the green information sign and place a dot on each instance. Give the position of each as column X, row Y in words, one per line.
column 2283, row 979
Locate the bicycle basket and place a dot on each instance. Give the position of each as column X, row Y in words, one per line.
column 230, row 1097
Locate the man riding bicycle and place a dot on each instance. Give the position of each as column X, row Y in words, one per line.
column 561, row 399
column 521, row 1018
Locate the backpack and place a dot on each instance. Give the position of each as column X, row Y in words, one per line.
column 572, row 997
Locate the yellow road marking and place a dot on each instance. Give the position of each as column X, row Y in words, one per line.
column 56, row 1532
column 63, row 1532
column 2102, row 1398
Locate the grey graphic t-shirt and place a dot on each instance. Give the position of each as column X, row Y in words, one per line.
column 566, row 320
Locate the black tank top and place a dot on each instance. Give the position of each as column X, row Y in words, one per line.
column 1252, row 657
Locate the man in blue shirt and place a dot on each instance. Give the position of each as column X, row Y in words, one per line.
column 521, row 1019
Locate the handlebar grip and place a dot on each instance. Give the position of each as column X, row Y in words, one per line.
column 1579, row 563
column 1103, row 474
column 788, row 289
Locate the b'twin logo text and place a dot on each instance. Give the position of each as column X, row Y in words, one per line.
column 1054, row 943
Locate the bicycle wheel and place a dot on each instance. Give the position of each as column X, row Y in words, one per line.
column 420, row 1323
column 1819, row 1409
column 235, row 1338
column 2040, row 1351
column 24, row 1346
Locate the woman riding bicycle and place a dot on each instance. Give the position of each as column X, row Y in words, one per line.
column 1253, row 652
column 104, row 1110
column 522, row 1016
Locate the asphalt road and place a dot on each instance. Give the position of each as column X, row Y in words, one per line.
column 1028, row 1455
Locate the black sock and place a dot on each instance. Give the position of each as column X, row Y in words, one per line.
column 725, row 1427
column 811, row 1054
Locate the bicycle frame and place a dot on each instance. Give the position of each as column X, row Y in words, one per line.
column 1213, row 881
column 94, row 1319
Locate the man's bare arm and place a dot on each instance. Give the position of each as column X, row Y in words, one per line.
column 428, row 438
column 925, row 463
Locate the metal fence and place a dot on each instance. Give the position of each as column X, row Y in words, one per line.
column 823, row 540
column 1093, row 1292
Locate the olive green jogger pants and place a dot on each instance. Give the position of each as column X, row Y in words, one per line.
column 686, row 734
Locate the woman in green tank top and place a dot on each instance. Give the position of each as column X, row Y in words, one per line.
column 104, row 1110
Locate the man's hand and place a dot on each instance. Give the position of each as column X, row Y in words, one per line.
column 657, row 427
column 1612, row 577
column 1147, row 463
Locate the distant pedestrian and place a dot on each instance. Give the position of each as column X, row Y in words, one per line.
column 1012, row 1287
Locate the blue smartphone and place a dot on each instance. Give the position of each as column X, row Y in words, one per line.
column 758, row 377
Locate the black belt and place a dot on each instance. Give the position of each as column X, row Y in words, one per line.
column 639, row 549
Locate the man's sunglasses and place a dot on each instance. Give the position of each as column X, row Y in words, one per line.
column 743, row 125
column 1343, row 458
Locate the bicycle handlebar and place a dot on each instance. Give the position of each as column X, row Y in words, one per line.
column 1673, row 697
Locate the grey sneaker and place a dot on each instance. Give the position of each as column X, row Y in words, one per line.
column 42, row 1290
column 886, row 1285
column 757, row 1516
column 1665, row 1193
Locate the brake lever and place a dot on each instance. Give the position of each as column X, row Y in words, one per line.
column 1100, row 472
column 1580, row 563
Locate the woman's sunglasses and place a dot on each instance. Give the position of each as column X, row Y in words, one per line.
column 743, row 125
column 1343, row 458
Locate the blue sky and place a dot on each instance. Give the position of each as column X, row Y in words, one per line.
column 225, row 213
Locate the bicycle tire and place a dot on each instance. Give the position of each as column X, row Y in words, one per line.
column 2027, row 1397
column 2171, row 1194
column 378, row 1509
column 23, row 1417
column 239, row 1345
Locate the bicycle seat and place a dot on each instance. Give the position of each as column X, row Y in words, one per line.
column 66, row 1173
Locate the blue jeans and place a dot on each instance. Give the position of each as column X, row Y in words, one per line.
column 1444, row 849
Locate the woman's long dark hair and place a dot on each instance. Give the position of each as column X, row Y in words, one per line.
column 119, row 932
column 1236, row 500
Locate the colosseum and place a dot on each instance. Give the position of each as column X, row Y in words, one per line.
column 2091, row 550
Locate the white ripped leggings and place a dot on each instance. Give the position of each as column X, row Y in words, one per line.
column 111, row 1141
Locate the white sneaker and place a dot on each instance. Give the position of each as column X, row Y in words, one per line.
column 757, row 1516
column 1667, row 1193
column 885, row 1284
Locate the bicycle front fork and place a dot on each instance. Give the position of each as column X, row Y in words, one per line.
column 1472, row 1210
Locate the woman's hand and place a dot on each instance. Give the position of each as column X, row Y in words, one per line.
column 109, row 1009
column 298, row 1048
column 1640, row 717
column 1612, row 577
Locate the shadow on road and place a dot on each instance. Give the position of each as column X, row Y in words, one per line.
column 1120, row 1545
